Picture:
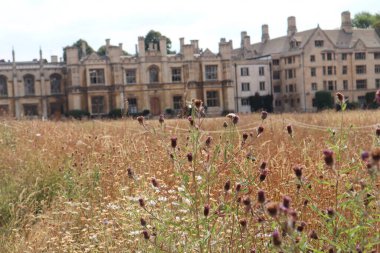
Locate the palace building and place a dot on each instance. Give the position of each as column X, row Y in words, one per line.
column 289, row 68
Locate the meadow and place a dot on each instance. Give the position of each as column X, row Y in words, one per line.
column 247, row 183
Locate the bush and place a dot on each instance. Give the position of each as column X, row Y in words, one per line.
column 78, row 114
column 169, row 111
column 370, row 100
column 115, row 113
column 145, row 112
column 259, row 103
column 324, row 100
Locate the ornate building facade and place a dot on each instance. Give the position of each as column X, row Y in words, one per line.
column 291, row 68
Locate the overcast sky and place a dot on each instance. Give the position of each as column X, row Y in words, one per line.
column 27, row 25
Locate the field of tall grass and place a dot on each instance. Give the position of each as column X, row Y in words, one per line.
column 254, row 183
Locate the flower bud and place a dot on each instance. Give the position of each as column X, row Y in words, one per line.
column 208, row 141
column 313, row 235
column 145, row 234
column 263, row 175
column 298, row 171
column 143, row 222
column 174, row 142
column 227, row 186
column 328, row 157
column 261, row 196
column 272, row 208
column 190, row 157
column 243, row 223
column 154, row 182
column 225, row 125
column 260, row 130
column 247, row 201
column 276, row 239
column 286, row 201
column 375, row 154
column 141, row 202
column 206, row 210
column 140, row 119
column 130, row 172
column 235, row 119
column 245, row 136
column 289, row 128
column 340, row 97
column 238, row 188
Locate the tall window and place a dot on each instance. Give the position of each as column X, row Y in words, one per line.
column 276, row 75
column 3, row 86
column 262, row 85
column 312, row 58
column 30, row 109
column 261, row 71
column 318, row 43
column 276, row 62
column 329, row 70
column 55, row 84
column 177, row 102
column 376, row 55
column 314, row 86
column 344, row 70
column 377, row 83
column 344, row 56
column 361, row 69
column 211, row 72
column 377, row 69
column 176, row 74
column 331, row 85
column 130, row 75
column 132, row 105
column 212, row 98
column 360, row 56
column 245, row 87
column 244, row 72
column 245, row 101
column 361, row 84
column 153, row 74
column 277, row 88
column 329, row 56
column 345, row 85
column 97, row 104
column 96, row 76
column 29, row 85
column 313, row 72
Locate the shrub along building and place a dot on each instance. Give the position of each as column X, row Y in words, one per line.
column 291, row 68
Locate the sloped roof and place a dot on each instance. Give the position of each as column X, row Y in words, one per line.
column 348, row 40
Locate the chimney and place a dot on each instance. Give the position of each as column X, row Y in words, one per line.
column 247, row 41
column 242, row 36
column 346, row 22
column 195, row 45
column 163, row 45
column 121, row 46
column 54, row 59
column 181, row 44
column 141, row 46
column 108, row 42
column 83, row 48
column 264, row 33
column 292, row 27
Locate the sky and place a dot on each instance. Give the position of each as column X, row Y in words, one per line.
column 28, row 25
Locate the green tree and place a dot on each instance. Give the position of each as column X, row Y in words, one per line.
column 324, row 100
column 363, row 20
column 154, row 36
column 78, row 44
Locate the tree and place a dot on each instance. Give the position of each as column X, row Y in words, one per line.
column 324, row 100
column 154, row 37
column 366, row 20
column 78, row 44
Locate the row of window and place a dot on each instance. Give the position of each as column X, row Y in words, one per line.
column 246, row 86
column 329, row 56
column 331, row 70
column 244, row 71
column 29, row 86
column 332, row 85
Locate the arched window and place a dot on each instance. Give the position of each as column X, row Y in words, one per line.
column 55, row 84
column 3, row 86
column 153, row 74
column 29, row 85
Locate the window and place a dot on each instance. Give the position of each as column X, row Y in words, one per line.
column 96, row 76
column 312, row 58
column 277, row 88
column 245, row 101
column 176, row 75
column 153, row 74
column 344, row 56
column 29, row 85
column 377, row 69
column 329, row 56
column 276, row 62
column 361, row 84
column 290, row 87
column 177, row 102
column 345, row 85
column 277, row 102
column 211, row 72
column 30, row 110
column 130, row 75
column 244, row 72
column 324, row 70
column 261, row 71
column 329, row 70
column 276, row 75
column 262, row 85
column 314, row 102
column 55, row 84
column 344, row 70
column 330, row 85
column 323, row 57
column 361, row 69
column 97, row 104
column 3, row 86
column 318, row 43
column 212, row 98
column 132, row 105
column 314, row 86
column 289, row 73
column 377, row 83
column 289, row 59
column 313, row 72
column 245, row 87
column 360, row 56
column 4, row 110
column 376, row 55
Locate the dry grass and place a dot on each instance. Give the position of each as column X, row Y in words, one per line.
column 67, row 187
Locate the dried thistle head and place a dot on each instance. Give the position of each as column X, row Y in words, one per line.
column 260, row 130
column 375, row 154
column 272, row 208
column 298, row 171
column 261, row 196
column 289, row 129
column 227, row 186
column 313, row 235
column 328, row 157
column 245, row 136
column 154, row 182
column 197, row 103
column 173, row 141
column 206, row 210
column 340, row 97
column 264, row 115
column 161, row 119
column 208, row 141
column 286, row 201
column 140, row 119
column 190, row 157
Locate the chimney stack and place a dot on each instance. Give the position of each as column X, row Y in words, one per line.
column 265, row 33
column 242, row 36
column 181, row 44
column 292, row 27
column 346, row 22
column 54, row 59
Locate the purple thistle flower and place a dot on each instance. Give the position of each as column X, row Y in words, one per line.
column 276, row 239
column 328, row 157
column 261, row 196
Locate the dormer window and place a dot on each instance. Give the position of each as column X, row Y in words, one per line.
column 318, row 43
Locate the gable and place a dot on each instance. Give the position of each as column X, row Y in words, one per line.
column 208, row 54
column 359, row 45
column 319, row 35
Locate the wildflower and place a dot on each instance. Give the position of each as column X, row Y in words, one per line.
column 313, row 235
column 235, row 119
column 263, row 165
column 154, row 182
column 243, row 223
column 208, row 141
column 140, row 119
column 225, row 125
column 253, row 250
column 190, row 157
column 264, row 115
column 272, row 208
column 340, row 97
column 141, row 202
column 227, row 186
column 174, row 142
column 261, row 196
column 289, row 128
column 263, row 175
column 238, row 187
column 245, row 137
column 197, row 103
column 328, row 157
column 375, row 154
column 364, row 155
column 145, row 234
column 247, row 201
column 276, row 239
column 260, row 130
column 206, row 210
column 143, row 222
column 298, row 171
column 161, row 119
column 330, row 212
column 286, row 201
column 301, row 227
column 191, row 121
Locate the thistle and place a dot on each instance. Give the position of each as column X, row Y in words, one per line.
column 276, row 239
column 173, row 142
column 264, row 115
column 328, row 157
